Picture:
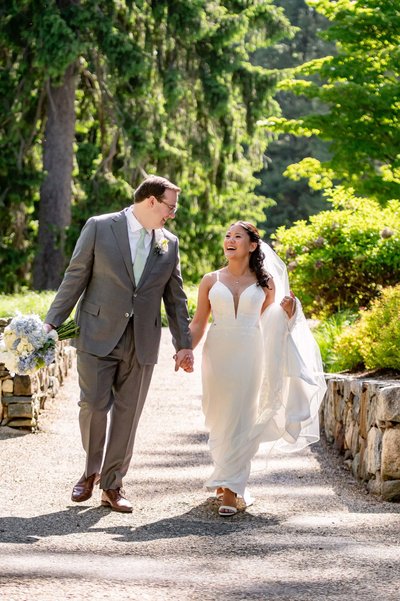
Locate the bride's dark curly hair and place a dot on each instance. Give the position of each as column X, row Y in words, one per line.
column 257, row 257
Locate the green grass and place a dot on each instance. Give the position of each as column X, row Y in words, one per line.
column 25, row 302
column 39, row 303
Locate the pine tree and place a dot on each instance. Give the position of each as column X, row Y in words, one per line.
column 159, row 86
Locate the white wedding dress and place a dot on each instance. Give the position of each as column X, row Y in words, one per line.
column 262, row 381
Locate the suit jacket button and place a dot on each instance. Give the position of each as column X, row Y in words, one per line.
column 126, row 314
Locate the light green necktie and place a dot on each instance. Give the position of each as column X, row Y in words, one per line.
column 140, row 258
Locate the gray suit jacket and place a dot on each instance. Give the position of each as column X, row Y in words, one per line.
column 100, row 276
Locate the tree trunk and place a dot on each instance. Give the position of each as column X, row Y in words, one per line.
column 55, row 192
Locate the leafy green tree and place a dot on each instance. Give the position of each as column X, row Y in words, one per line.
column 159, row 86
column 293, row 199
column 360, row 87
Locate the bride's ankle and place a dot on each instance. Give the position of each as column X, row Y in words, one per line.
column 229, row 497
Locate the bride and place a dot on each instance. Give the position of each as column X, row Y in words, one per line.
column 261, row 368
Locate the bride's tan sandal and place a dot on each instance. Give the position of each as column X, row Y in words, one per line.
column 219, row 493
column 226, row 510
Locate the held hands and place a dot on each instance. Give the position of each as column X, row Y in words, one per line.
column 288, row 304
column 184, row 359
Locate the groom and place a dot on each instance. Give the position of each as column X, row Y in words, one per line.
column 122, row 266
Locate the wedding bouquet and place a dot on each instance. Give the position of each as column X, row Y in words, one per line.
column 25, row 346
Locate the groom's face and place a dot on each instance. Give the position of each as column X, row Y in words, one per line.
column 164, row 208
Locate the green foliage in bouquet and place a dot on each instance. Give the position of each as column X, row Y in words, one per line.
column 67, row 330
column 342, row 258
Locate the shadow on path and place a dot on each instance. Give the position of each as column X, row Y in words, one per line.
column 352, row 493
column 61, row 523
column 6, row 432
column 202, row 520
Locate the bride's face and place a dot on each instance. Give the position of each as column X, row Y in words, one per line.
column 237, row 243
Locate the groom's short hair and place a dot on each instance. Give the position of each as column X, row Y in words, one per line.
column 154, row 185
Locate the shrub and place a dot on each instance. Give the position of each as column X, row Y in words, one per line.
column 342, row 258
column 328, row 332
column 346, row 353
column 374, row 338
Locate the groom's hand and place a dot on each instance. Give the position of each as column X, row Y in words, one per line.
column 184, row 359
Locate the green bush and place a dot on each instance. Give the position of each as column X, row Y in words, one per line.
column 345, row 352
column 326, row 334
column 342, row 258
column 374, row 338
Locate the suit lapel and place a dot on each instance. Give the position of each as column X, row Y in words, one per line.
column 120, row 230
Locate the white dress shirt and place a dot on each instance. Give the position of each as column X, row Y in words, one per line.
column 134, row 227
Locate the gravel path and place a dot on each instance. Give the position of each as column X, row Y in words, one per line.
column 312, row 534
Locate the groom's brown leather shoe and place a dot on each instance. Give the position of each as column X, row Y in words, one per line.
column 114, row 498
column 83, row 489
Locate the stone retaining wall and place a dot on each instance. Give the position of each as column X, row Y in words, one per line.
column 361, row 418
column 23, row 397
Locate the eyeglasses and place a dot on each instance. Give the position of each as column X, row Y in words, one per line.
column 172, row 208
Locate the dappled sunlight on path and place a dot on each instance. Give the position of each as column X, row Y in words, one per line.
column 312, row 533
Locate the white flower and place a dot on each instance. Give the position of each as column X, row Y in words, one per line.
column 4, row 356
column 161, row 243
column 9, row 337
column 10, row 361
column 53, row 335
column 25, row 345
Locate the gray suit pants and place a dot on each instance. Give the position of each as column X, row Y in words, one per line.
column 117, row 385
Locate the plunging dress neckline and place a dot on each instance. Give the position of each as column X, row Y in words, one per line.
column 235, row 307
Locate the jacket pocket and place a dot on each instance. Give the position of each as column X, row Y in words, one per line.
column 163, row 267
column 91, row 308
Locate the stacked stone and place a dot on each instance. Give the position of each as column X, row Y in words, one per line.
column 23, row 397
column 361, row 417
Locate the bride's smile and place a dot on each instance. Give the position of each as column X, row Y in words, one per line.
column 237, row 243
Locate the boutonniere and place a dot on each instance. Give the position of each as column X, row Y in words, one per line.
column 161, row 245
